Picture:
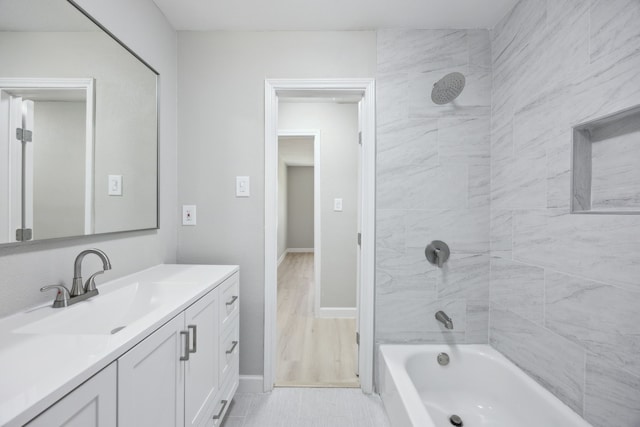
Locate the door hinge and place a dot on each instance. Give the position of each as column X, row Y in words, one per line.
column 24, row 234
column 24, row 135
column 358, row 338
column 359, row 239
column 360, row 138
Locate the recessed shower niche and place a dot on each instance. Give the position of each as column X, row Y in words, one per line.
column 605, row 169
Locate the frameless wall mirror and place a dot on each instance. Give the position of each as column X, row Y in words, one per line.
column 78, row 127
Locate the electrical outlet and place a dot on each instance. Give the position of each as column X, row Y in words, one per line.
column 189, row 215
column 337, row 205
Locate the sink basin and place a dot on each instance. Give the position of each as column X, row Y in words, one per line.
column 108, row 313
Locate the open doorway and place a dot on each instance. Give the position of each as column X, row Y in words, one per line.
column 46, row 123
column 318, row 206
column 316, row 312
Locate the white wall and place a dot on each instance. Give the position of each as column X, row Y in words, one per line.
column 24, row 269
column 221, row 121
column 338, row 125
column 300, row 207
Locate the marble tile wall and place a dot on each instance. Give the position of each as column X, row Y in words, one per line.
column 564, row 289
column 433, row 174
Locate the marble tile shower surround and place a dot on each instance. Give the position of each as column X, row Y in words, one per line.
column 490, row 176
column 433, row 175
column 564, row 289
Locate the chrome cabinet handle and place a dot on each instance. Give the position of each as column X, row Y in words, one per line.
column 232, row 300
column 194, row 328
column 224, row 405
column 186, row 345
column 62, row 297
column 233, row 347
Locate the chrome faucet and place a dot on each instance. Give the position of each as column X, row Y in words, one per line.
column 442, row 317
column 76, row 288
column 78, row 292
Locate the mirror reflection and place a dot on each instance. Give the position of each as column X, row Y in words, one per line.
column 78, row 127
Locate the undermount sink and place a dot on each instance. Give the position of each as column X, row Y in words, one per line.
column 108, row 313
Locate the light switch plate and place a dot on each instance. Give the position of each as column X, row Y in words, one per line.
column 188, row 214
column 243, row 186
column 115, row 185
column 337, row 205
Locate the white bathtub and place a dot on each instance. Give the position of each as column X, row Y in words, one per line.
column 479, row 385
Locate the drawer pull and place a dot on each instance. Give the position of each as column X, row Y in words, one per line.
column 224, row 405
column 233, row 347
column 232, row 300
column 186, row 345
column 195, row 338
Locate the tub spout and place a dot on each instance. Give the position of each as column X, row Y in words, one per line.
column 442, row 317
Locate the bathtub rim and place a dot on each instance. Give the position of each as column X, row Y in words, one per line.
column 394, row 358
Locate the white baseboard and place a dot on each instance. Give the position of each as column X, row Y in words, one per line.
column 294, row 250
column 251, row 384
column 338, row 312
column 282, row 257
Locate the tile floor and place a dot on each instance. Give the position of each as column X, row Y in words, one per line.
column 307, row 407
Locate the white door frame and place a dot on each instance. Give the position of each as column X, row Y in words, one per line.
column 88, row 86
column 315, row 134
column 279, row 87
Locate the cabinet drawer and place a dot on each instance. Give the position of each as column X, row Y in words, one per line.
column 229, row 300
column 227, row 392
column 229, row 349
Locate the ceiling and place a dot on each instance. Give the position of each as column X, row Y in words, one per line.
column 42, row 15
column 323, row 15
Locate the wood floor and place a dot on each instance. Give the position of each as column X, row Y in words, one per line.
column 311, row 351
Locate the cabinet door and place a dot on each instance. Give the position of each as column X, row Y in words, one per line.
column 201, row 370
column 151, row 379
column 93, row 404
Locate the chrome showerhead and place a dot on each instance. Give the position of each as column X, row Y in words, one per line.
column 448, row 88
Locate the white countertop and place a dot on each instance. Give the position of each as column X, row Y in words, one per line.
column 36, row 370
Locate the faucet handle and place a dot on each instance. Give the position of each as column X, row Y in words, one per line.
column 439, row 257
column 62, row 297
column 437, row 253
column 90, row 284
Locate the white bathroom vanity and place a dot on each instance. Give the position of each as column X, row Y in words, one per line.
column 156, row 348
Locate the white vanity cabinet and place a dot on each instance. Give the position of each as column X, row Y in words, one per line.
column 173, row 378
column 164, row 342
column 93, row 404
